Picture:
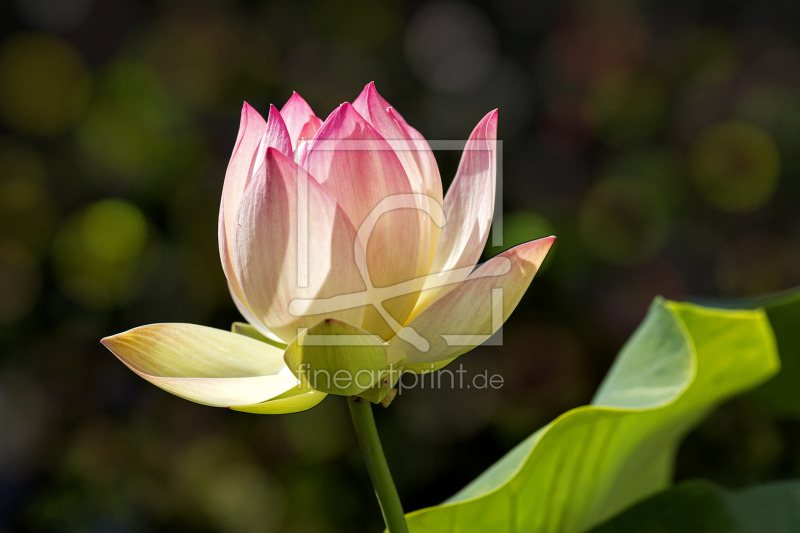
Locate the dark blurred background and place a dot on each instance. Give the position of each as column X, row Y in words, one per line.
column 658, row 139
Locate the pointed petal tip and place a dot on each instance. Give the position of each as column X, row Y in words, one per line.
column 535, row 250
column 368, row 87
column 548, row 241
column 110, row 341
column 491, row 122
column 249, row 112
column 341, row 113
column 274, row 155
column 296, row 99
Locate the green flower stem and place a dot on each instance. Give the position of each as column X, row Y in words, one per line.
column 370, row 444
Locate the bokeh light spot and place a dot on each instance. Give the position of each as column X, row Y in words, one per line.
column 735, row 166
column 133, row 130
column 97, row 254
column 114, row 230
column 775, row 109
column 623, row 220
column 44, row 84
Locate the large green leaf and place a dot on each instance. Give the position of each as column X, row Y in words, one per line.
column 594, row 461
column 702, row 507
column 780, row 394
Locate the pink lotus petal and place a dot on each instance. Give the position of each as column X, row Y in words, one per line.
column 410, row 146
column 418, row 147
column 468, row 209
column 297, row 113
column 360, row 170
column 273, row 134
column 361, row 105
column 251, row 318
column 251, row 131
column 293, row 245
column 310, row 129
column 276, row 135
column 204, row 365
column 413, row 152
column 472, row 309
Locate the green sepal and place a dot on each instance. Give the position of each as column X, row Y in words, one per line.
column 387, row 382
column 336, row 357
column 247, row 330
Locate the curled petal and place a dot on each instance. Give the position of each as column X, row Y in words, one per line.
column 293, row 242
column 292, row 401
column 360, row 169
column 297, row 114
column 475, row 309
column 468, row 209
column 204, row 365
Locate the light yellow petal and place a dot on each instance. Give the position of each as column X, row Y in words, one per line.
column 204, row 365
column 292, row 401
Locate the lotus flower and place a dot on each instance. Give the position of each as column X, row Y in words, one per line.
column 343, row 257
